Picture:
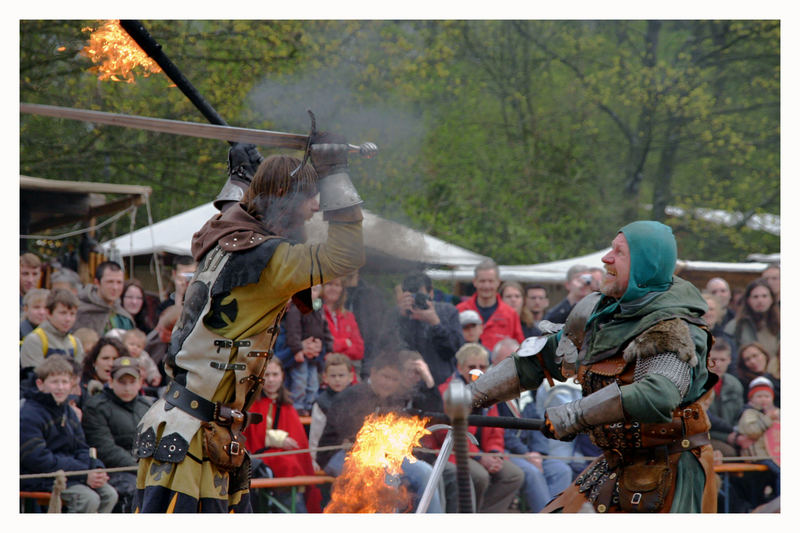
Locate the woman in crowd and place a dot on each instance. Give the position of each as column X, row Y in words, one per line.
column 511, row 292
column 281, row 429
column 135, row 303
column 758, row 319
column 342, row 323
column 713, row 318
column 754, row 361
column 97, row 366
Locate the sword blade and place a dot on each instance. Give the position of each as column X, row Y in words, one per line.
column 274, row 139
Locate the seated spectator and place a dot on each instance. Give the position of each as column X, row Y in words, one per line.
column 34, row 311
column 420, row 324
column 369, row 307
column 499, row 320
column 754, row 361
column 342, row 324
column 544, row 478
column 134, row 340
column 97, row 366
column 578, row 284
column 382, row 392
column 720, row 289
column 65, row 278
column 134, row 301
column 182, row 273
column 713, row 318
column 281, row 429
column 30, row 273
column 537, row 302
column 495, row 479
column 512, row 294
column 728, row 400
column 52, row 335
column 88, row 338
column 760, row 423
column 471, row 326
column 758, row 319
column 109, row 422
column 100, row 308
column 51, row 439
column 337, row 375
column 309, row 339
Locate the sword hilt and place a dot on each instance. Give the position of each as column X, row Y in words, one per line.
column 366, row 150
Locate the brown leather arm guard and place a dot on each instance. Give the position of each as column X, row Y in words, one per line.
column 601, row 407
column 498, row 384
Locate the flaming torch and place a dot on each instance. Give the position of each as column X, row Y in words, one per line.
column 115, row 54
column 380, row 447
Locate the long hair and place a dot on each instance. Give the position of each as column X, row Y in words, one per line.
column 274, row 195
column 338, row 306
column 770, row 319
column 142, row 318
column 525, row 315
column 88, row 361
column 283, row 394
column 742, row 369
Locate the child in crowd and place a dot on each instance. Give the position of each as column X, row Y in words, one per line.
column 34, row 310
column 336, row 376
column 760, row 423
column 88, row 338
column 342, row 324
column 110, row 422
column 281, row 429
column 52, row 335
column 134, row 340
column 51, row 439
column 471, row 326
column 309, row 339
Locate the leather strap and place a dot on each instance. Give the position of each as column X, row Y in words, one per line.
column 187, row 401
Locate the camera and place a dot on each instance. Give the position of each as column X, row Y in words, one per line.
column 420, row 301
column 586, row 279
column 187, row 275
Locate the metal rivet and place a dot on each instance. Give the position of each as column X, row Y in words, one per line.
column 601, row 508
column 194, row 404
column 685, row 443
column 176, row 394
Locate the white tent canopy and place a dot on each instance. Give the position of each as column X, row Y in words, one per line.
column 556, row 271
column 174, row 235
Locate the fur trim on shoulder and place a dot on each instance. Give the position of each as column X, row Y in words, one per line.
column 667, row 336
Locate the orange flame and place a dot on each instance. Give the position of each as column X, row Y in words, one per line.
column 116, row 54
column 381, row 445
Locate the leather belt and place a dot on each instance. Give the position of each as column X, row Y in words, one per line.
column 187, row 401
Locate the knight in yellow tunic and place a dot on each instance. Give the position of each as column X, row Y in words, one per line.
column 251, row 262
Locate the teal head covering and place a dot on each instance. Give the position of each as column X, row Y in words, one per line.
column 653, row 256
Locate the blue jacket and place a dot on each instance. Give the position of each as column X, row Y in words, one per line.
column 524, row 440
column 51, row 439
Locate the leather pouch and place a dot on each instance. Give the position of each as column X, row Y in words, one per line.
column 643, row 488
column 224, row 445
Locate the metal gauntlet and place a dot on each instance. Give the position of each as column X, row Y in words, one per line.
column 336, row 191
column 498, row 384
column 601, row 407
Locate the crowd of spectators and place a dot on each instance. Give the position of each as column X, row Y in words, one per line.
column 92, row 358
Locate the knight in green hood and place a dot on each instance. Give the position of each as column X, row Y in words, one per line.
column 638, row 348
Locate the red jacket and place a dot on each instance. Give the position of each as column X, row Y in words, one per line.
column 298, row 464
column 490, row 440
column 343, row 326
column 503, row 323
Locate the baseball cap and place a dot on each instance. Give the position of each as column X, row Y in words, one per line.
column 125, row 365
column 469, row 317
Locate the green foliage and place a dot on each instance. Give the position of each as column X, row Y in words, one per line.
column 526, row 141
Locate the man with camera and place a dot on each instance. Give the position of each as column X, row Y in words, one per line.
column 422, row 325
column 578, row 284
column 182, row 273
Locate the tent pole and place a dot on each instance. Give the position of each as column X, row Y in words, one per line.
column 161, row 295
